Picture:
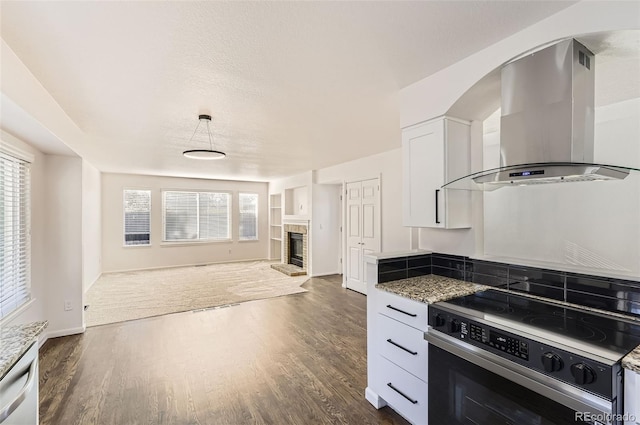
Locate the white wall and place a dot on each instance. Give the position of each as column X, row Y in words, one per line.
column 117, row 257
column 56, row 242
column 387, row 166
column 299, row 202
column 326, row 229
column 56, row 228
column 295, row 191
column 91, row 225
column 63, row 244
column 433, row 96
column 592, row 226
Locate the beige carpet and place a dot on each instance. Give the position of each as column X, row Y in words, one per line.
column 117, row 297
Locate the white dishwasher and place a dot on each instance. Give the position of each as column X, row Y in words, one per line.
column 19, row 391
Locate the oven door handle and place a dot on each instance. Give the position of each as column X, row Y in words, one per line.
column 565, row 394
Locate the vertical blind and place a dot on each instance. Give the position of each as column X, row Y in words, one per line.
column 197, row 216
column 137, row 217
column 248, row 216
column 15, row 269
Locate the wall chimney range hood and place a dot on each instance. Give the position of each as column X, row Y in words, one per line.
column 547, row 122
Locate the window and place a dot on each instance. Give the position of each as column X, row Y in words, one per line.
column 248, row 217
column 197, row 216
column 15, row 267
column 137, row 217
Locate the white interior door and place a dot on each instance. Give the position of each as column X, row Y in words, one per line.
column 363, row 229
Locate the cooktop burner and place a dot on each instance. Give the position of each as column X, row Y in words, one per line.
column 605, row 332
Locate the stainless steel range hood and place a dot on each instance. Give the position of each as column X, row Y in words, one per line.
column 547, row 122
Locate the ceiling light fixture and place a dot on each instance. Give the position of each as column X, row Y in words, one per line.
column 204, row 153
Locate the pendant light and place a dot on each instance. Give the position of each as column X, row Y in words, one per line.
column 204, row 153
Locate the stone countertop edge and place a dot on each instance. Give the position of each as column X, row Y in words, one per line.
column 431, row 289
column 377, row 256
column 15, row 341
column 632, row 360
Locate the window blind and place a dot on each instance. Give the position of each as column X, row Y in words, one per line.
column 248, row 216
column 15, row 267
column 214, row 216
column 137, row 217
column 196, row 216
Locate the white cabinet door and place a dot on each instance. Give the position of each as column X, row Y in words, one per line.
column 631, row 397
column 435, row 153
column 363, row 229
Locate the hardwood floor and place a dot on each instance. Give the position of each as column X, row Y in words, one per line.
column 297, row 359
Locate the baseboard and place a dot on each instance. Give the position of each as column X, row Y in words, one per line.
column 374, row 398
column 65, row 332
column 326, row 274
column 185, row 265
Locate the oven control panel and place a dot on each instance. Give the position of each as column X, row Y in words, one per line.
column 596, row 377
column 499, row 341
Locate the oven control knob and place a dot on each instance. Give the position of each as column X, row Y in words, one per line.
column 551, row 362
column 582, row 373
column 438, row 321
column 454, row 326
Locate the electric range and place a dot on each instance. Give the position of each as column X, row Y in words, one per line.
column 568, row 356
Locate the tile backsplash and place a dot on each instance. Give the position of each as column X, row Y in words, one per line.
column 594, row 291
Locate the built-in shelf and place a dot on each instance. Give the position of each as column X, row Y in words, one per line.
column 275, row 222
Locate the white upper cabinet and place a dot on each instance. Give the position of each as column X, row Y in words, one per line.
column 434, row 153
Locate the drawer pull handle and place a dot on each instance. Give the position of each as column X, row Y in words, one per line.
column 390, row 341
column 390, row 385
column 401, row 311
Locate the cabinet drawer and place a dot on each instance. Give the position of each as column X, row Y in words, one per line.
column 403, row 345
column 405, row 393
column 410, row 312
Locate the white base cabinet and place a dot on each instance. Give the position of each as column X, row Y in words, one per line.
column 434, row 153
column 19, row 390
column 396, row 353
column 631, row 397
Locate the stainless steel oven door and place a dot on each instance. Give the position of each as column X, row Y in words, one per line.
column 468, row 385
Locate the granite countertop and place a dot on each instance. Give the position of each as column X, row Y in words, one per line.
column 431, row 288
column 632, row 360
column 15, row 341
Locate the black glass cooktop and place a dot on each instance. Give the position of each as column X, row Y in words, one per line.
column 605, row 332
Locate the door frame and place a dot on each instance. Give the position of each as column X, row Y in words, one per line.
column 344, row 221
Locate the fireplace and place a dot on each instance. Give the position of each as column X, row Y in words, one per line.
column 295, row 239
column 296, row 249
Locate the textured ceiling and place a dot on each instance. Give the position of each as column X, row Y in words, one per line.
column 291, row 86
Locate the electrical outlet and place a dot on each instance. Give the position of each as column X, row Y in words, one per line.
column 67, row 305
column 229, row 251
